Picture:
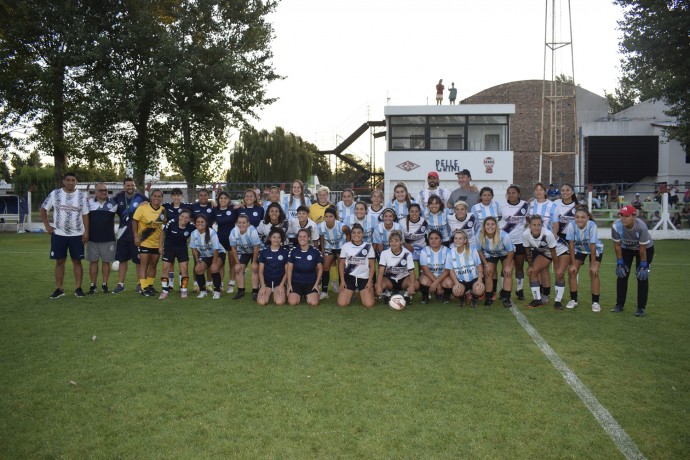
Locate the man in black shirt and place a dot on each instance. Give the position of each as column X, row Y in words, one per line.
column 101, row 244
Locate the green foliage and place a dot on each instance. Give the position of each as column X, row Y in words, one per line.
column 352, row 177
column 656, row 44
column 41, row 181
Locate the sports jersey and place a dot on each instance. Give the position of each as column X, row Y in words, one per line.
column 206, row 210
column 468, row 225
column 436, row 261
column 244, row 242
column 424, row 195
column 583, row 237
column 102, row 220
column 205, row 248
column 264, row 229
column 463, row 265
column 151, row 223
column 267, row 203
column 274, row 264
column 317, row 210
column 401, row 209
column 543, row 243
column 381, row 234
column 376, row 214
column 565, row 214
column 344, row 212
column 255, row 214
column 398, row 266
column 225, row 221
column 631, row 238
column 126, row 206
column 547, row 210
column 174, row 212
column 438, row 222
column 481, row 212
column 333, row 238
column 368, row 225
column 357, row 258
column 291, row 209
column 415, row 234
column 294, row 226
column 68, row 209
column 513, row 218
column 504, row 246
column 176, row 237
column 304, row 264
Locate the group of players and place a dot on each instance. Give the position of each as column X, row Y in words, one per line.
column 456, row 241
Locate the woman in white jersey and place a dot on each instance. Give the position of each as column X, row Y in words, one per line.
column 584, row 241
column 465, row 270
column 401, row 201
column 356, row 269
column 540, row 249
column 437, row 218
column 513, row 216
column 295, row 199
column 565, row 213
column 486, row 207
column 346, row 206
column 396, row 270
column 462, row 220
column 432, row 265
column 274, row 218
column 414, row 230
column 376, row 207
column 495, row 246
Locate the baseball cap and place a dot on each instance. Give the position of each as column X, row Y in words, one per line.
column 637, row 194
column 432, row 174
column 627, row 211
column 464, row 172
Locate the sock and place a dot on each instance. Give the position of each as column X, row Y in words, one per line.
column 255, row 290
column 595, row 298
column 184, row 280
column 239, row 289
column 216, row 281
column 200, row 280
column 505, row 294
column 446, row 293
column 93, row 285
column 149, row 281
column 196, row 283
column 489, row 295
column 560, row 290
column 171, row 278
column 231, row 283
column 325, row 280
column 536, row 290
column 164, row 283
column 520, row 282
column 209, row 283
column 547, row 291
column 425, row 292
column 142, row 283
column 573, row 295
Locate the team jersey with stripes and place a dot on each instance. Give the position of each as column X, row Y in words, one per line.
column 291, row 209
column 468, row 225
column 265, row 228
column 376, row 214
column 565, row 213
column 381, row 233
column 68, row 209
column 344, row 211
column 368, row 224
column 513, row 218
column 464, row 265
column 424, row 195
column 438, row 221
column 398, row 266
column 631, row 238
column 333, row 238
column 481, row 212
column 294, row 226
column 547, row 211
column 357, row 258
column 198, row 242
column 415, row 234
column 584, row 237
column 244, row 242
column 501, row 249
column 435, row 260
column 542, row 243
column 401, row 209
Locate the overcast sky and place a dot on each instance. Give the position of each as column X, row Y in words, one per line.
column 345, row 59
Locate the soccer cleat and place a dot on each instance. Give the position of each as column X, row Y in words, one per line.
column 79, row 292
column 144, row 292
column 57, row 294
column 640, row 312
column 323, row 295
column 462, row 301
column 558, row 305
column 202, row 294
column 152, row 290
column 255, row 295
column 92, row 289
column 183, row 294
column 488, row 302
column 164, row 295
column 334, row 287
column 104, row 288
column 425, row 299
column 216, row 295
column 239, row 295
column 473, row 303
column 231, row 288
column 119, row 288
column 507, row 303
column 617, row 309
column 520, row 294
column 571, row 304
column 596, row 308
column 535, row 303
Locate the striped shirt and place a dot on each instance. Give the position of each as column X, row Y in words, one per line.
column 333, row 238
column 68, row 209
column 584, row 237
column 401, row 209
column 344, row 212
column 481, row 212
column 547, row 211
column 463, row 265
column 438, row 222
column 368, row 224
column 198, row 242
column 381, row 234
column 244, row 242
column 504, row 246
column 436, row 261
column 424, row 195
column 291, row 209
column 468, row 225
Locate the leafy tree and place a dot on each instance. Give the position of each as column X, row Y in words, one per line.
column 656, row 44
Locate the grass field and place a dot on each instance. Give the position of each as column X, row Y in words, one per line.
column 196, row 379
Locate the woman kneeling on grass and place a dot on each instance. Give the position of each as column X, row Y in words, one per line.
column 356, row 269
column 304, row 270
column 396, row 270
column 583, row 240
column 432, row 265
column 465, row 270
column 495, row 246
column 540, row 249
column 208, row 253
column 244, row 242
column 272, row 275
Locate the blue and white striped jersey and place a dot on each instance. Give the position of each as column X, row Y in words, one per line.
column 463, row 265
column 333, row 238
column 381, row 234
column 424, row 195
column 415, row 234
column 513, row 218
column 68, row 209
column 547, row 210
column 368, row 224
column 436, row 261
column 583, row 237
column 291, row 209
column 481, row 212
column 504, row 246
column 245, row 242
column 198, row 241
column 344, row 212
column 400, row 208
column 438, row 222
column 376, row 214
column 357, row 258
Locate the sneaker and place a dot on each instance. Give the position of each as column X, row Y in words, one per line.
column 617, row 309
column 425, row 300
column 572, row 304
column 57, row 294
column 535, row 303
column 152, row 290
column 323, row 295
column 255, row 295
column 507, row 303
column 145, row 292
column 216, row 295
column 119, row 288
column 79, row 292
column 640, row 312
column 596, row 308
column 171, row 287
column 473, row 303
column 104, row 288
column 462, row 302
column 92, row 289
column 202, row 294
column 239, row 295
column 183, row 294
column 231, row 289
column 558, row 305
column 164, row 295
column 520, row 294
column 139, row 287
column 334, row 287
column 488, row 302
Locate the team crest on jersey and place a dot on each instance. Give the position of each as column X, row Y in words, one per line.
column 280, row 257
column 364, row 252
column 179, row 210
column 135, row 204
column 255, row 214
column 228, row 212
column 423, row 228
column 309, row 257
column 523, row 211
column 208, row 210
column 161, row 217
column 186, row 234
column 470, row 224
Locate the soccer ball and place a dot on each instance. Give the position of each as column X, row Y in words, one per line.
column 397, row 302
column 115, row 266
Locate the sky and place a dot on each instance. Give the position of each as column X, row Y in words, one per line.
column 344, row 60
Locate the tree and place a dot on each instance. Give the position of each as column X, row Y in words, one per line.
column 656, row 44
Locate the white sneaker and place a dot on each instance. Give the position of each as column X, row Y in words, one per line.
column 334, row 287
column 324, row 295
column 231, row 288
column 216, row 295
column 202, row 294
column 571, row 304
column 596, row 307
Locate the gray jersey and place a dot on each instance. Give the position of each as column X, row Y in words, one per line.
column 631, row 238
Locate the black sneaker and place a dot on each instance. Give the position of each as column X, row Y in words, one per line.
column 520, row 294
column 255, row 296
column 239, row 295
column 535, row 303
column 488, row 302
column 617, row 309
column 462, row 301
column 558, row 305
column 57, row 294
column 92, row 289
column 79, row 292
column 119, row 288
column 640, row 312
column 104, row 288
column 148, row 292
column 507, row 303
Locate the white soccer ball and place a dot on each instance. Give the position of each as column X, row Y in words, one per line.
column 115, row 266
column 397, row 302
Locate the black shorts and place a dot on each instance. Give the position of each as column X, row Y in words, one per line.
column 581, row 256
column 397, row 284
column 271, row 284
column 126, row 250
column 536, row 254
column 519, row 249
column 225, row 242
column 303, row 289
column 355, row 284
column 172, row 254
column 245, row 258
column 468, row 284
column 332, row 252
column 209, row 260
column 59, row 245
column 495, row 260
column 145, row 250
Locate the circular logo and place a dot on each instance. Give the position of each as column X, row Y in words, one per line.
column 186, row 233
column 280, row 257
column 135, row 204
column 256, row 213
column 228, row 212
column 364, row 252
column 470, row 224
column 208, row 210
column 423, row 228
column 309, row 257
column 179, row 210
column 161, row 216
column 523, row 211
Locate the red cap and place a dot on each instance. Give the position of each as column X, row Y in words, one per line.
column 627, row 211
column 432, row 174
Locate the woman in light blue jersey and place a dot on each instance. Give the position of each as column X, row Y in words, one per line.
column 486, row 207
column 465, row 270
column 346, row 206
column 401, row 201
column 584, row 241
column 495, row 246
column 432, row 265
column 437, row 218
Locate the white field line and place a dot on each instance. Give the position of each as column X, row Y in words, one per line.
column 624, row 442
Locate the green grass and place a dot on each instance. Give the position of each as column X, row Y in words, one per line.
column 200, row 378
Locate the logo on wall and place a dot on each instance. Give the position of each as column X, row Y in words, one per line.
column 407, row 166
column 489, row 164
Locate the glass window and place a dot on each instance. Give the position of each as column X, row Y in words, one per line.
column 447, row 137
column 407, row 131
column 415, row 120
column 489, row 119
column 447, row 120
column 483, row 137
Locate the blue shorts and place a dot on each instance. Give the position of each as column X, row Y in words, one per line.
column 127, row 250
column 59, row 245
